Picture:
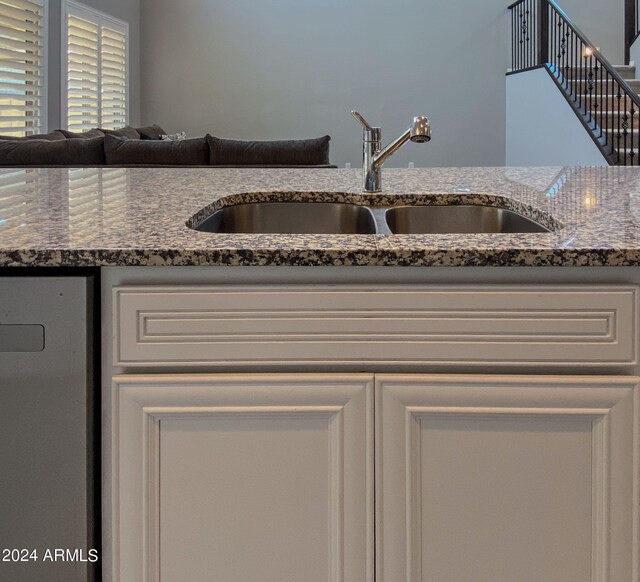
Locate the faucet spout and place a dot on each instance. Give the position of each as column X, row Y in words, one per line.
column 391, row 149
column 374, row 157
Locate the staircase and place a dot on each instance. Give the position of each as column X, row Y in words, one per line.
column 605, row 98
column 603, row 103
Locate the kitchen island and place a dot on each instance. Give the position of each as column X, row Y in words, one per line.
column 137, row 217
column 322, row 412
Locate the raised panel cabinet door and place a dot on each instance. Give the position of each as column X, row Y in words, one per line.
column 503, row 478
column 243, row 477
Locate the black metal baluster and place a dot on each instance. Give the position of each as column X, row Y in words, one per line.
column 559, row 45
column 587, row 85
column 616, row 112
column 535, row 38
column 554, row 37
column 525, row 25
column 632, row 152
column 514, row 37
column 528, row 13
column 567, row 39
column 517, row 11
column 556, row 63
column 579, row 83
column 576, row 60
column 572, row 53
column 591, row 87
column 608, row 97
column 569, row 62
column 561, row 59
column 552, row 27
column 594, row 91
column 625, row 128
column 521, row 10
column 531, row 37
column 527, row 37
column 520, row 40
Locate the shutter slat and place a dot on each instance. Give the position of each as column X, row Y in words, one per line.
column 19, row 13
column 83, row 65
column 20, row 57
column 23, row 5
column 7, row 20
column 11, row 119
column 81, row 25
column 82, row 43
column 9, row 101
column 77, row 51
column 21, row 87
column 16, row 107
column 18, row 66
column 18, row 45
column 16, row 34
column 20, row 76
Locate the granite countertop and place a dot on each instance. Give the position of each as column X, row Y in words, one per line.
column 138, row 216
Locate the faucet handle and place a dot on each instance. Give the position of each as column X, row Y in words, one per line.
column 362, row 120
column 370, row 133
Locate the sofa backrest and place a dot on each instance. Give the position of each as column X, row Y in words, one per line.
column 143, row 147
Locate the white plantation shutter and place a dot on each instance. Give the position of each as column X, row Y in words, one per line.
column 96, row 70
column 83, row 74
column 114, row 79
column 22, row 67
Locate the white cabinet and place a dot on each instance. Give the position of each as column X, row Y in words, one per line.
column 504, row 478
column 270, row 477
column 252, row 478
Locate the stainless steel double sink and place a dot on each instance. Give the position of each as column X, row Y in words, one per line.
column 347, row 218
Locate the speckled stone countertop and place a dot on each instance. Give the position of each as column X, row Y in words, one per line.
column 139, row 216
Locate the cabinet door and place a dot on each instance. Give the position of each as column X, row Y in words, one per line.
column 252, row 478
column 503, row 478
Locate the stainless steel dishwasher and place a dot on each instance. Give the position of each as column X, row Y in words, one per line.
column 48, row 449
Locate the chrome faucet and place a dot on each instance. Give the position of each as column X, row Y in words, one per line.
column 374, row 156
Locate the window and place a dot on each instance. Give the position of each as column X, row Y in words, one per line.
column 22, row 67
column 95, row 69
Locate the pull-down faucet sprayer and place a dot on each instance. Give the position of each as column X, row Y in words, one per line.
column 373, row 154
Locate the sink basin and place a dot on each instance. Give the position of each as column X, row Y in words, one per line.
column 291, row 218
column 458, row 219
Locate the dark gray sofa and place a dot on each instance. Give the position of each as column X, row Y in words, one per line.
column 143, row 147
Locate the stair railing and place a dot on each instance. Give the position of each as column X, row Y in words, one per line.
column 542, row 35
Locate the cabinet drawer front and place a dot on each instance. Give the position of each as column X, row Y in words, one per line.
column 349, row 325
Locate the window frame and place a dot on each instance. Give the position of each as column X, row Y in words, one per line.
column 71, row 7
column 44, row 98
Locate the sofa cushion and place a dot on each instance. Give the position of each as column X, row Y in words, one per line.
column 126, row 131
column 39, row 152
column 84, row 135
column 297, row 152
column 150, row 132
column 56, row 135
column 189, row 152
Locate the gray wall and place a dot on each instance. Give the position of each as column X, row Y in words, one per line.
column 256, row 69
column 603, row 23
column 127, row 10
column 542, row 128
